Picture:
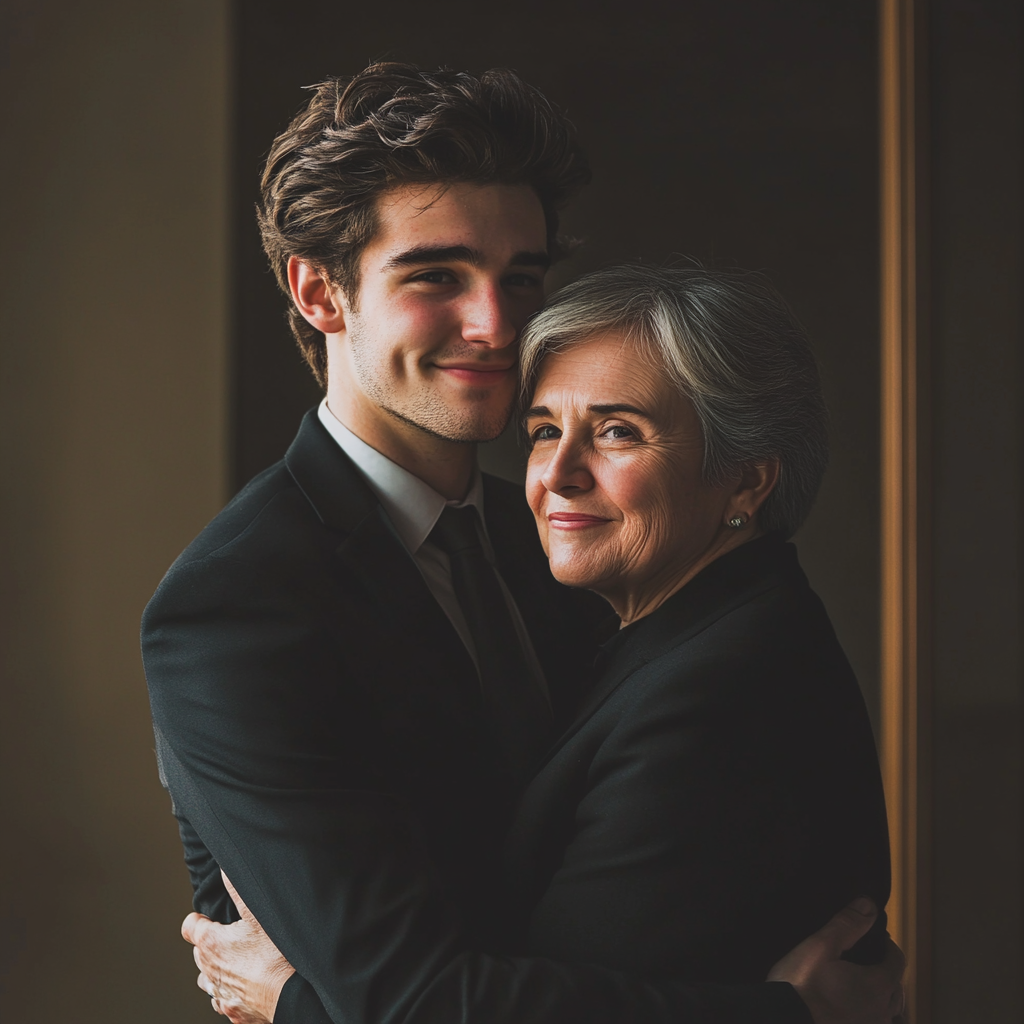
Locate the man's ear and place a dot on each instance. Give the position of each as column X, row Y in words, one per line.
column 315, row 297
column 757, row 481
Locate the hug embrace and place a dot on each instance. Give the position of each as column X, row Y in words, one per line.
column 441, row 751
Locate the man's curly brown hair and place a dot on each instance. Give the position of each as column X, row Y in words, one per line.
column 394, row 124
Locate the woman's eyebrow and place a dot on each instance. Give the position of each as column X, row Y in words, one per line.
column 619, row 407
column 602, row 409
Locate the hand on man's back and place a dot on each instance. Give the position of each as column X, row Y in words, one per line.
column 244, row 973
column 835, row 990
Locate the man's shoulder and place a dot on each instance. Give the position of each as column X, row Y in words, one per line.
column 270, row 513
column 268, row 539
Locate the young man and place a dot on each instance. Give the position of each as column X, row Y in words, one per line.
column 353, row 666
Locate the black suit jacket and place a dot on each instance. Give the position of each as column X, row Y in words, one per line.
column 317, row 726
column 718, row 797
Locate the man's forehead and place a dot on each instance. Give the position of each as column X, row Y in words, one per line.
column 460, row 221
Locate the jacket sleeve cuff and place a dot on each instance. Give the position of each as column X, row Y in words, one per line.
column 299, row 1004
column 770, row 1002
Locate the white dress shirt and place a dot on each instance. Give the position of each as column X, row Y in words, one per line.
column 414, row 508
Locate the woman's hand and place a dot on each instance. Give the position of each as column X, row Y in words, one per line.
column 839, row 992
column 241, row 969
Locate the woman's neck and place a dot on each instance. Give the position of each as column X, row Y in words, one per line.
column 636, row 600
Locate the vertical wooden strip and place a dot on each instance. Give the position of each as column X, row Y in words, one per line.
column 893, row 533
column 903, row 699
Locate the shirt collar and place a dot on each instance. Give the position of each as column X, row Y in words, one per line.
column 412, row 505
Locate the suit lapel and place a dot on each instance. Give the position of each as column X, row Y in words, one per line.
column 369, row 549
column 373, row 556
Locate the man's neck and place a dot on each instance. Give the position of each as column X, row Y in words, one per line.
column 447, row 466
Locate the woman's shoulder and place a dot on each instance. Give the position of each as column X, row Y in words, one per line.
column 760, row 635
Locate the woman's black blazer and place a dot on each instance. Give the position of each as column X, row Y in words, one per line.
column 717, row 798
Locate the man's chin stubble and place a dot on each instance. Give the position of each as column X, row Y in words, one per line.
column 452, row 431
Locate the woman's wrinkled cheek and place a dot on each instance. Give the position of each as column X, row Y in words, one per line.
column 646, row 531
column 578, row 560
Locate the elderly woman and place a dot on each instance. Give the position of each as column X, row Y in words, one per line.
column 717, row 797
column 722, row 769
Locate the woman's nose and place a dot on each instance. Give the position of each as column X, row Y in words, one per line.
column 486, row 318
column 567, row 471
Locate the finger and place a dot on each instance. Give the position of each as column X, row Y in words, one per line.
column 233, row 1010
column 849, row 925
column 206, row 985
column 897, row 1002
column 191, row 924
column 209, row 967
column 245, row 912
column 895, row 962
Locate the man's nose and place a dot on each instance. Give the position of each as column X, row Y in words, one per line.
column 487, row 317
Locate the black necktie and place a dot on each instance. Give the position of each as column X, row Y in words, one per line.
column 516, row 710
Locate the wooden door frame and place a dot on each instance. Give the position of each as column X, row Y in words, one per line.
column 905, row 671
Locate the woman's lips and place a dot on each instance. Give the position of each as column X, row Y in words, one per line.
column 575, row 520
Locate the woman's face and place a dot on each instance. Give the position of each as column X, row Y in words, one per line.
column 614, row 477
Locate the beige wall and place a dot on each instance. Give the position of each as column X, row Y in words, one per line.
column 112, row 411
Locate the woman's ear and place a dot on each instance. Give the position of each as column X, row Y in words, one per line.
column 315, row 297
column 757, row 481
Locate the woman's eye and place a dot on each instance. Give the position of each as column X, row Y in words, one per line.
column 545, row 433
column 618, row 432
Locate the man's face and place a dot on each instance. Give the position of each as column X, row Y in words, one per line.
column 445, row 287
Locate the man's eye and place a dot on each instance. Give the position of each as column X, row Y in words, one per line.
column 545, row 433
column 523, row 281
column 436, row 277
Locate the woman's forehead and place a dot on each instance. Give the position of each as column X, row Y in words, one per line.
column 610, row 365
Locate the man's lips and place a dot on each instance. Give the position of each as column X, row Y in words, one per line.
column 575, row 520
column 477, row 373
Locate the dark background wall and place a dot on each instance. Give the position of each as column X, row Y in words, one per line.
column 977, row 314
column 743, row 133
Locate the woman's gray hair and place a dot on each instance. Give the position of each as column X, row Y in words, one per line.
column 731, row 345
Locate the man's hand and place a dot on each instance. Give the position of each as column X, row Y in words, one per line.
column 241, row 970
column 244, row 972
column 839, row 992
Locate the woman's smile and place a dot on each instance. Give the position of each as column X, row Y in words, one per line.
column 575, row 520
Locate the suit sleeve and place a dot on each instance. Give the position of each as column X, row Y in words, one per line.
column 259, row 729
column 697, row 839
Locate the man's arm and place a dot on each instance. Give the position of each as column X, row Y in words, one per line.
column 263, row 738
column 245, row 974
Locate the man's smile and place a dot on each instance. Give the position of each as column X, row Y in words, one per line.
column 480, row 374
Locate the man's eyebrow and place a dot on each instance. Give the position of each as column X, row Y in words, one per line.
column 531, row 259
column 421, row 254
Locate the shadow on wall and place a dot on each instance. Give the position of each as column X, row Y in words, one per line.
column 112, row 391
